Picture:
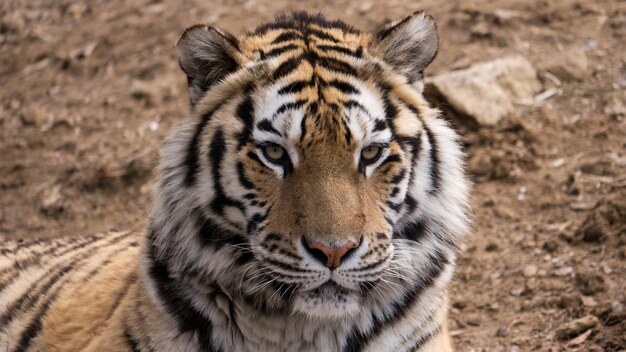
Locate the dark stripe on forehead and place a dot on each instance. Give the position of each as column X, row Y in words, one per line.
column 337, row 65
column 287, row 67
column 266, row 125
column 380, row 125
column 280, row 50
column 344, row 87
column 294, row 105
column 296, row 87
column 287, row 36
column 340, row 49
column 322, row 35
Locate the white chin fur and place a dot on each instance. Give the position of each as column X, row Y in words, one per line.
column 327, row 302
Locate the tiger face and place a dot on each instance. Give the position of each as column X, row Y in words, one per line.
column 313, row 169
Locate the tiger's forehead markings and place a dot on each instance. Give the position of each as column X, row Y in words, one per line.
column 312, row 62
column 313, row 90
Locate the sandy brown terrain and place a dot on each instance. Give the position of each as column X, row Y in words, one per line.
column 88, row 90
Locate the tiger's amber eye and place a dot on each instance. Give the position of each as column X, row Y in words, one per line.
column 371, row 154
column 274, row 152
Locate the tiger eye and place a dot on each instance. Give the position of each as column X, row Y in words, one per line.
column 371, row 153
column 274, row 152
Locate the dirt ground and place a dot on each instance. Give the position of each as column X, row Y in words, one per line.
column 88, row 90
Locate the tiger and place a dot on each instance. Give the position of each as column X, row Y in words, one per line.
column 311, row 200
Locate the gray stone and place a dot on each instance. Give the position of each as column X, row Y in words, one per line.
column 486, row 92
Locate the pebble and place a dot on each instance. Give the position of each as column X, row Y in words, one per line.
column 576, row 327
column 530, row 270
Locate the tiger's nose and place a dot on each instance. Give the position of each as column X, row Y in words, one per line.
column 330, row 255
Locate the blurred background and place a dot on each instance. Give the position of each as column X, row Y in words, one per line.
column 89, row 89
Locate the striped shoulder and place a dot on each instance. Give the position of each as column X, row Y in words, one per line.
column 38, row 275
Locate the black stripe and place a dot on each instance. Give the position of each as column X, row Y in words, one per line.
column 245, row 182
column 344, row 87
column 213, row 235
column 414, row 231
column 322, row 35
column 280, row 50
column 393, row 158
column 254, row 222
column 296, row 87
column 395, row 206
column 245, row 113
column 292, row 105
column 252, row 155
column 336, row 65
column 340, row 49
column 358, row 340
column 380, row 125
column 35, row 325
column 399, row 177
column 287, row 67
column 423, row 339
column 217, row 150
column 35, row 290
column 177, row 304
column 284, row 37
column 435, row 181
column 266, row 125
column 130, row 340
column 411, row 204
column 192, row 151
column 33, row 329
column 36, row 258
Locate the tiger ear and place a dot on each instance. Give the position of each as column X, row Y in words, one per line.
column 408, row 45
column 207, row 55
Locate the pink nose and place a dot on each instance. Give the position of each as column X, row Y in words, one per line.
column 330, row 256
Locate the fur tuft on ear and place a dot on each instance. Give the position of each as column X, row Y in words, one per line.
column 207, row 55
column 408, row 45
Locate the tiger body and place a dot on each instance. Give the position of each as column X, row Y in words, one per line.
column 312, row 201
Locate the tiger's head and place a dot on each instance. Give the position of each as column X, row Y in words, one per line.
column 311, row 175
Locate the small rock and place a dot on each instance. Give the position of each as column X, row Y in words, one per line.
column 569, row 65
column 473, row 322
column 588, row 301
column 486, row 92
column 460, row 305
column 590, row 231
column 491, row 247
column 504, row 213
column 501, row 332
column 582, row 206
column 615, row 108
column 590, row 283
column 33, row 116
column 53, row 202
column 530, row 270
column 576, row 327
